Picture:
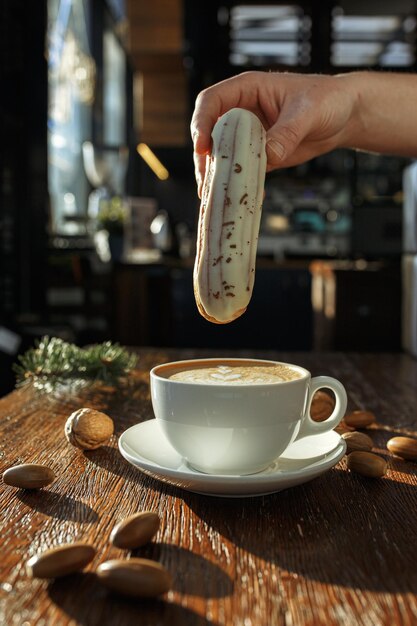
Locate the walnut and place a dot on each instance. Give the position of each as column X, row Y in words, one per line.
column 88, row 429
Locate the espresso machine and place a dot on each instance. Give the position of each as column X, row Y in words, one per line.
column 409, row 261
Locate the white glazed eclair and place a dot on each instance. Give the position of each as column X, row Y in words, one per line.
column 230, row 215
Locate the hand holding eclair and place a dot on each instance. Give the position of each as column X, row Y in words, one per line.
column 293, row 118
column 308, row 115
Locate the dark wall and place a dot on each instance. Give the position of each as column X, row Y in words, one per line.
column 23, row 171
column 23, row 156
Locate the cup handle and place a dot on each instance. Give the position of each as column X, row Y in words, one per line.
column 309, row 426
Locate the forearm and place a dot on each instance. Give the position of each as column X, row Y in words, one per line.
column 385, row 113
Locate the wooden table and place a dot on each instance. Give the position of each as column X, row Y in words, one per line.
column 339, row 550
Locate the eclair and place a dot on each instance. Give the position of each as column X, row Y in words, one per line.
column 230, row 216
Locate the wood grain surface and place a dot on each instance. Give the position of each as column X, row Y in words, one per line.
column 340, row 550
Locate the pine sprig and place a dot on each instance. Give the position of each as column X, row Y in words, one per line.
column 54, row 362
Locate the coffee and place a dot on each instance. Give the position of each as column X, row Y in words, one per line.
column 236, row 416
column 231, row 373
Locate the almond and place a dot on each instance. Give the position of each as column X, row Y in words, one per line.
column 60, row 561
column 28, row 476
column 367, row 464
column 343, row 428
column 135, row 577
column 357, row 441
column 322, row 406
column 360, row 419
column 135, row 531
column 405, row 447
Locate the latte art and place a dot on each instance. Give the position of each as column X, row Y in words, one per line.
column 236, row 374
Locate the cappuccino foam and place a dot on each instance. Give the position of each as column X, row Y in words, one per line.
column 234, row 374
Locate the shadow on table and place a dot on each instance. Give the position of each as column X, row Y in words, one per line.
column 110, row 459
column 194, row 574
column 340, row 529
column 85, row 600
column 58, row 506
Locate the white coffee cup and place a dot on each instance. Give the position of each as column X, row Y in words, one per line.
column 237, row 416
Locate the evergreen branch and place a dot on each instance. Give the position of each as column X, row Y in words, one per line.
column 53, row 362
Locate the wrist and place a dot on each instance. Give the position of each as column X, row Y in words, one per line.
column 352, row 85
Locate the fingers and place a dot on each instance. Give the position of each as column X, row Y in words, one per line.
column 203, row 120
column 277, row 100
column 216, row 100
column 238, row 91
column 285, row 136
column 207, row 111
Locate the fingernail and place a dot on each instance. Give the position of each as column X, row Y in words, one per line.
column 195, row 137
column 277, row 148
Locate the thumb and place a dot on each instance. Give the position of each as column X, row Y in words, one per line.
column 283, row 138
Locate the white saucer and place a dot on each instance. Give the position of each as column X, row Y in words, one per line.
column 146, row 447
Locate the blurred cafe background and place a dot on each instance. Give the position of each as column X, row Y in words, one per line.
column 98, row 204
